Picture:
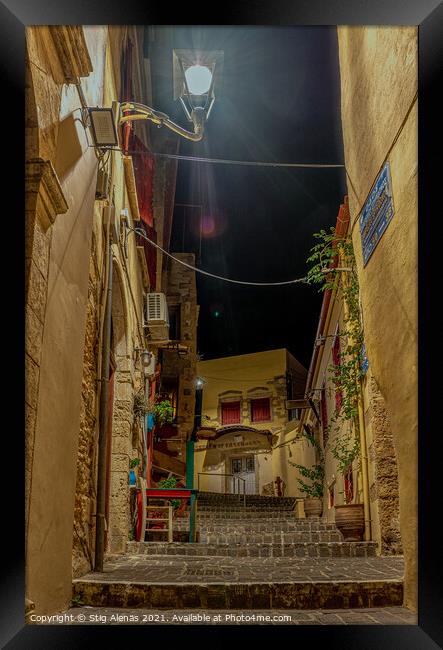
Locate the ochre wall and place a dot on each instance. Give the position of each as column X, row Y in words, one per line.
column 238, row 377
column 51, row 501
column 378, row 67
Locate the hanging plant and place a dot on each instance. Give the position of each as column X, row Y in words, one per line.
column 347, row 372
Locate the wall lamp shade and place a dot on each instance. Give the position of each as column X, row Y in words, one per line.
column 198, row 79
column 102, row 122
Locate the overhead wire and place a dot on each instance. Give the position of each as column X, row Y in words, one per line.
column 142, row 234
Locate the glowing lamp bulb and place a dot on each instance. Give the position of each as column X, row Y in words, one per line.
column 198, row 78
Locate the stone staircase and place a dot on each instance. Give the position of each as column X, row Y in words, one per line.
column 255, row 555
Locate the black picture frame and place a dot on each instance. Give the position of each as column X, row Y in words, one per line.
column 427, row 14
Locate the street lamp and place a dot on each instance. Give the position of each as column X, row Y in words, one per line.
column 195, row 75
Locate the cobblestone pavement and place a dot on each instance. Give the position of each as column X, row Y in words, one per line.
column 189, row 569
column 120, row 616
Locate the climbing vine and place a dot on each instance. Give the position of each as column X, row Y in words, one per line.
column 334, row 251
column 314, row 474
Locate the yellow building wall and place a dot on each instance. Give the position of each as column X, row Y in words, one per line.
column 240, row 377
column 378, row 67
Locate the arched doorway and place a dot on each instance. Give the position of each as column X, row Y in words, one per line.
column 236, row 459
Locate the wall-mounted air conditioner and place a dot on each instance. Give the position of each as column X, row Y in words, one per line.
column 156, row 316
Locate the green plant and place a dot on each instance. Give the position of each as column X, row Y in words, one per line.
column 314, row 474
column 76, row 601
column 163, row 412
column 347, row 372
column 170, row 482
column 135, row 462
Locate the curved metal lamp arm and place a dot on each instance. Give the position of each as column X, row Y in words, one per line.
column 161, row 119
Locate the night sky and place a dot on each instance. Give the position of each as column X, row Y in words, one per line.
column 279, row 101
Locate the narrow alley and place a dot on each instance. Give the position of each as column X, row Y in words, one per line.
column 221, row 325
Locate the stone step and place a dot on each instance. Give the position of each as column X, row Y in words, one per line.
column 241, row 508
column 254, row 549
column 135, row 581
column 244, row 514
column 256, row 525
column 219, row 496
column 270, row 538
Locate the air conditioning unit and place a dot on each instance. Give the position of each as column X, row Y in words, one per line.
column 157, row 316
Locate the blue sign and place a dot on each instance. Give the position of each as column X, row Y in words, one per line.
column 376, row 214
column 364, row 360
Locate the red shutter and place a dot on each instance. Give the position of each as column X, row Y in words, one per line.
column 260, row 409
column 231, row 413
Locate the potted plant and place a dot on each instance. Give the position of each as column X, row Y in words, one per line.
column 313, row 502
column 134, row 463
column 350, row 517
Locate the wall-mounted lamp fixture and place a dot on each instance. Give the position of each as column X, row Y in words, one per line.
column 199, row 382
column 196, row 74
column 146, row 360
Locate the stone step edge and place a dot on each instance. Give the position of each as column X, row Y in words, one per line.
column 332, row 594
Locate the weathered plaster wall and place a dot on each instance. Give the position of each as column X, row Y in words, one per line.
column 378, row 67
column 57, row 400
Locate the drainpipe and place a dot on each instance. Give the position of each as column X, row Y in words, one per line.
column 103, row 423
column 364, row 464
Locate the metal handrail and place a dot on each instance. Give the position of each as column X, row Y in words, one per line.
column 220, row 474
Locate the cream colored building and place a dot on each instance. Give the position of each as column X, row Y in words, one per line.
column 245, row 421
column 372, row 477
column 379, row 83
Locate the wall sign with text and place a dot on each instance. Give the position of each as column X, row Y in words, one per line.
column 376, row 214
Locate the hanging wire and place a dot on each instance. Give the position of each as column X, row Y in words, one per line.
column 142, row 233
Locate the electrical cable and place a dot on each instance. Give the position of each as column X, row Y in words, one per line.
column 249, row 162
column 142, row 233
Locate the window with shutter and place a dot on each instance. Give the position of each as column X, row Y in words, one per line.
column 230, row 412
column 336, row 361
column 260, row 409
column 324, row 414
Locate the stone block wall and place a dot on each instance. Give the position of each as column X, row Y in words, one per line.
column 181, row 290
column 384, row 486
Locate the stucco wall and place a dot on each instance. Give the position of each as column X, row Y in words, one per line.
column 51, row 501
column 243, row 377
column 378, row 67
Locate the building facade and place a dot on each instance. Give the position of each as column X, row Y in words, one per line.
column 82, row 262
column 244, row 418
column 379, row 117
column 360, row 460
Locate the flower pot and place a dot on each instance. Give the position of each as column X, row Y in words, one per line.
column 313, row 506
column 350, row 520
